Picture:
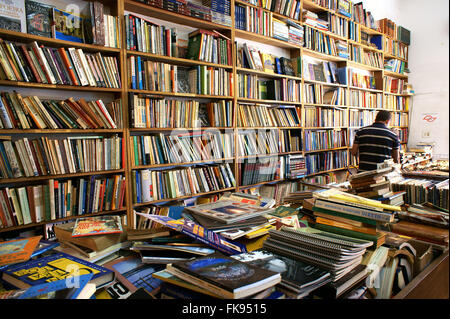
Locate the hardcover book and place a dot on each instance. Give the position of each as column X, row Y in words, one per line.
column 12, row 15
column 67, row 26
column 99, row 225
column 228, row 211
column 225, row 276
column 39, row 18
column 18, row 250
column 54, row 267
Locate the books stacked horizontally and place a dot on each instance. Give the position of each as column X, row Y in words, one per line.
column 312, row 19
column 35, row 63
column 372, row 184
column 350, row 215
column 234, row 216
column 334, row 253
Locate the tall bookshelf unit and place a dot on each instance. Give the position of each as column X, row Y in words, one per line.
column 126, row 94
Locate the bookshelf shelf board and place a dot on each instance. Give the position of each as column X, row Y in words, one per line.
column 398, row 94
column 325, row 83
column 327, row 171
column 261, row 183
column 391, row 56
column 116, row 211
column 268, row 155
column 59, row 176
column 172, row 94
column 58, row 86
column 366, row 67
column 365, row 46
column 322, row 56
column 395, row 74
column 159, row 13
column 327, row 150
column 183, row 197
column 365, row 108
column 177, row 61
column 242, row 99
column 28, row 38
column 329, row 33
column 267, row 74
column 203, row 128
column 264, row 39
column 59, row 131
column 325, row 105
column 219, row 160
column 365, row 89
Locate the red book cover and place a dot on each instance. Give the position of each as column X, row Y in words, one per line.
column 98, row 225
column 68, row 66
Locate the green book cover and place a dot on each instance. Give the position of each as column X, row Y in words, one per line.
column 262, row 90
column 194, row 47
column 343, row 215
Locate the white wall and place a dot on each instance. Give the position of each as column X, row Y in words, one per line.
column 428, row 22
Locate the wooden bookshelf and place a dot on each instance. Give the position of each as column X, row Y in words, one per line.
column 118, row 8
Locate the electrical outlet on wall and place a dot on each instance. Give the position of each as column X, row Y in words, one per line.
column 426, row 134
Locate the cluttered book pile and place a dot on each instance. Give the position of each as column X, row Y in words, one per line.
column 324, row 243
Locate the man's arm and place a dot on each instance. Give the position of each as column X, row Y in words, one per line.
column 396, row 155
column 354, row 149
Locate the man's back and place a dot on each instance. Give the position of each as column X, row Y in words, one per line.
column 375, row 144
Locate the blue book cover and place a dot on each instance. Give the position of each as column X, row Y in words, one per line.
column 138, row 186
column 52, row 268
column 139, row 72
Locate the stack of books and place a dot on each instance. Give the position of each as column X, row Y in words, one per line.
column 371, row 184
column 333, row 253
column 295, row 166
column 312, row 19
column 351, row 215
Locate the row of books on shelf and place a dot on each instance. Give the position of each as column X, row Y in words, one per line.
column 394, row 85
column 325, row 71
column 35, row 63
column 323, row 43
column 156, row 76
column 399, row 119
column 258, row 142
column 251, row 87
column 403, row 134
column 46, row 20
column 359, row 118
column 360, row 80
column 26, row 157
column 150, row 185
column 422, row 190
column 209, row 46
column 253, row 20
column 250, row 58
column 395, row 48
column 324, row 117
column 398, row 103
column 57, row 199
column 291, row 141
column 30, row 112
column 325, row 139
column 326, row 161
column 321, row 94
column 365, row 99
column 148, row 112
column 257, row 115
column 288, row 8
column 370, row 58
column 181, row 148
column 264, row 170
column 395, row 65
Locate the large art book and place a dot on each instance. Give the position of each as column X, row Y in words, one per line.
column 228, row 211
column 196, row 231
column 225, row 275
column 54, row 267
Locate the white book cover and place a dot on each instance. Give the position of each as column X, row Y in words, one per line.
column 13, row 15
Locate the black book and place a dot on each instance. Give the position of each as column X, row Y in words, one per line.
column 39, row 18
column 225, row 276
column 286, row 66
column 319, row 75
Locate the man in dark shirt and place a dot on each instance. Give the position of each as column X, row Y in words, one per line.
column 376, row 143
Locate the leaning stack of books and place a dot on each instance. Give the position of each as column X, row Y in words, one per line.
column 371, row 184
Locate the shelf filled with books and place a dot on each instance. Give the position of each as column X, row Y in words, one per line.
column 194, row 95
